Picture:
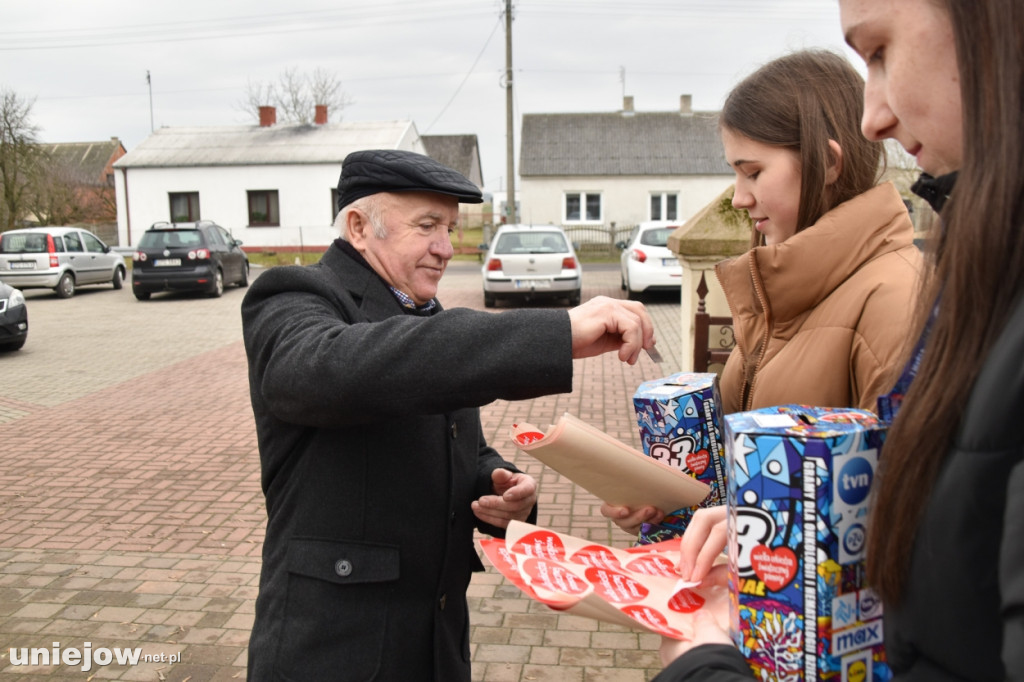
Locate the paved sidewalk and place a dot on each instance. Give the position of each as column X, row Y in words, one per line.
column 131, row 515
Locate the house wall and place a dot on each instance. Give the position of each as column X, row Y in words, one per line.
column 304, row 201
column 625, row 200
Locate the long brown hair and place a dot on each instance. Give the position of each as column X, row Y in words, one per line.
column 979, row 274
column 800, row 102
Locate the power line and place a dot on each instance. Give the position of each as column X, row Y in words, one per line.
column 468, row 73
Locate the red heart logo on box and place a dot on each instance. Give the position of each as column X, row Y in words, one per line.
column 775, row 567
column 698, row 462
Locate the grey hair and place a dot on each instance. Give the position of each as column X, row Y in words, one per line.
column 373, row 206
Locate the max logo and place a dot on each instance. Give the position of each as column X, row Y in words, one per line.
column 865, row 636
column 682, row 454
column 854, row 480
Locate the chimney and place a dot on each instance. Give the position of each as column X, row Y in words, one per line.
column 685, row 104
column 268, row 116
column 321, row 114
column 627, row 105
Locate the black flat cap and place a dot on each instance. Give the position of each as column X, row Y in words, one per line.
column 388, row 170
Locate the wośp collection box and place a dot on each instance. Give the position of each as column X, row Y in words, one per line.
column 798, row 484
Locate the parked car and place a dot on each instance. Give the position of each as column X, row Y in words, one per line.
column 200, row 256
column 526, row 262
column 647, row 264
column 13, row 318
column 58, row 258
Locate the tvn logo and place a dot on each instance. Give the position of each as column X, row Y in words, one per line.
column 862, row 637
column 855, row 480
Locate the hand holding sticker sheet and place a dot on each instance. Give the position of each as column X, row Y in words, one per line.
column 636, row 587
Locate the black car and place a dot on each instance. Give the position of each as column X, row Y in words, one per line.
column 199, row 256
column 13, row 318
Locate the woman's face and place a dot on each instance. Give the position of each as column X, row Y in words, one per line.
column 912, row 92
column 767, row 184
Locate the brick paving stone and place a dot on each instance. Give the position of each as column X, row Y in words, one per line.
column 139, row 521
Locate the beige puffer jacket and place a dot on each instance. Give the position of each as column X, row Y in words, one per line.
column 823, row 318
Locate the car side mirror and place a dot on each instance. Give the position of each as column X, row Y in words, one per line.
column 236, row 242
column 620, row 245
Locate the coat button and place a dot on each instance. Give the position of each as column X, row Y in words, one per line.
column 343, row 567
column 441, row 603
column 455, row 430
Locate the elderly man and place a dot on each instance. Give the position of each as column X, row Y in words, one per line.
column 366, row 395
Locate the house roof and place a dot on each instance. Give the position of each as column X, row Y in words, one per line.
column 253, row 145
column 461, row 152
column 84, row 162
column 640, row 143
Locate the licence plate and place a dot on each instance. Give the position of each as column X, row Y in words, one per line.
column 164, row 262
column 23, row 265
column 533, row 284
column 669, row 262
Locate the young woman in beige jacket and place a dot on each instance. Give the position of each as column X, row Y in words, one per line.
column 822, row 304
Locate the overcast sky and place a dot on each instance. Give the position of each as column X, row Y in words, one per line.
column 439, row 63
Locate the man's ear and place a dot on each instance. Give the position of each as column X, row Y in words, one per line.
column 357, row 225
column 835, row 166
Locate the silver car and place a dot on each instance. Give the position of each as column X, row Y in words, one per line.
column 58, row 258
column 526, row 262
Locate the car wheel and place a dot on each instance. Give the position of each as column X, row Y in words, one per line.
column 141, row 295
column 575, row 298
column 65, row 286
column 489, row 300
column 118, row 280
column 244, row 282
column 218, row 285
column 622, row 282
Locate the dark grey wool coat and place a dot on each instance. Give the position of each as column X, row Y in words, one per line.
column 371, row 452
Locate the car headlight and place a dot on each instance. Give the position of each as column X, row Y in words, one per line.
column 17, row 298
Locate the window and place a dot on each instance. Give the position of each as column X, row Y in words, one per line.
column 184, row 207
column 263, row 208
column 582, row 207
column 334, row 205
column 92, row 243
column 663, row 206
column 73, row 242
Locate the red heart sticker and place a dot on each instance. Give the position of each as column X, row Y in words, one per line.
column 596, row 555
column 698, row 462
column 686, row 601
column 553, row 577
column 528, row 437
column 616, row 587
column 776, row 568
column 652, row 619
column 654, row 564
column 542, row 544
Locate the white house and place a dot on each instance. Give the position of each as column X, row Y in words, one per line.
column 270, row 185
column 620, row 167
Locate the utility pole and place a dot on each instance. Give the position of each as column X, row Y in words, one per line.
column 149, row 82
column 510, row 153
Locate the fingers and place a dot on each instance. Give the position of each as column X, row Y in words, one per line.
column 705, row 538
column 629, row 519
column 604, row 324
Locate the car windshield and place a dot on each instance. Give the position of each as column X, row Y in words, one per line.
column 29, row 242
column 531, row 242
column 658, row 237
column 159, row 239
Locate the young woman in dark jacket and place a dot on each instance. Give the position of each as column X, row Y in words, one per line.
column 945, row 78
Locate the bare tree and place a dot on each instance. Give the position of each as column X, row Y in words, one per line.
column 19, row 156
column 295, row 96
